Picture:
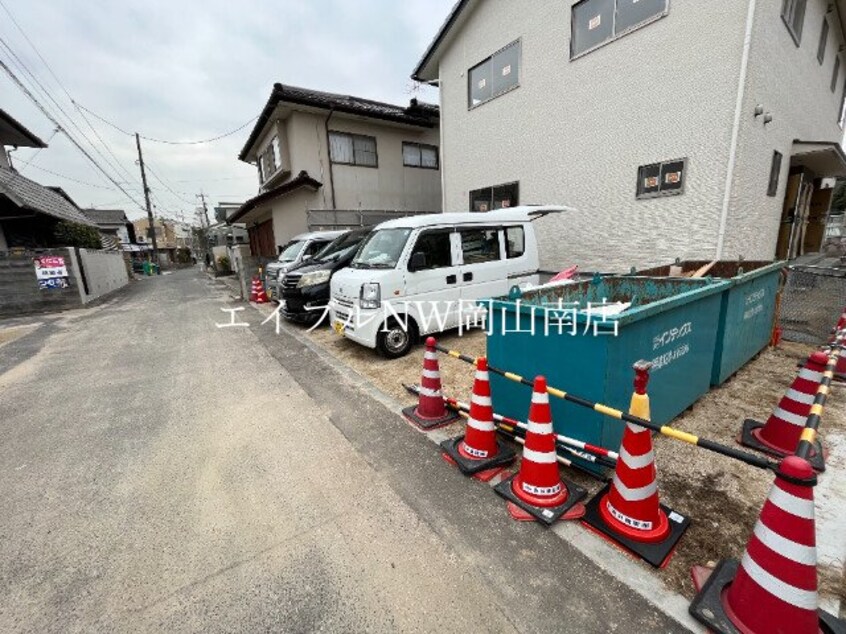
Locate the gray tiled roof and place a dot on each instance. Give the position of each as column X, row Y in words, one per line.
column 106, row 217
column 30, row 195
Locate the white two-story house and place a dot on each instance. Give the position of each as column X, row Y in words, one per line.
column 677, row 128
column 315, row 151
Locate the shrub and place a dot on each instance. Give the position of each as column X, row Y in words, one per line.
column 223, row 263
column 74, row 234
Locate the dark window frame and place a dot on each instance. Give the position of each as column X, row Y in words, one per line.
column 842, row 114
column 509, row 255
column 614, row 35
column 515, row 184
column 489, row 60
column 790, row 9
column 835, row 73
column 661, row 192
column 775, row 173
column 420, row 147
column 823, row 41
column 352, row 136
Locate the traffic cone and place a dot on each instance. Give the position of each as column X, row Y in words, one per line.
column 773, row 589
column 628, row 510
column 430, row 411
column 478, row 452
column 538, row 488
column 261, row 296
column 780, row 435
column 254, row 289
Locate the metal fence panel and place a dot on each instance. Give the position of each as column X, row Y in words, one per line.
column 811, row 303
column 328, row 219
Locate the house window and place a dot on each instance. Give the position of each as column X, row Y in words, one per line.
column 269, row 160
column 419, row 155
column 497, row 197
column 775, row 170
column 661, row 179
column 835, row 74
column 793, row 14
column 494, row 76
column 597, row 22
column 823, row 42
column 353, row 149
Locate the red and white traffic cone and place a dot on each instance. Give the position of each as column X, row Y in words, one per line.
column 430, row 411
column 628, row 511
column 773, row 588
column 261, row 296
column 254, row 289
column 780, row 435
column 479, row 453
column 538, row 488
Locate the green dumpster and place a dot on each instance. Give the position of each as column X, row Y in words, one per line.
column 146, row 267
column 671, row 322
column 747, row 310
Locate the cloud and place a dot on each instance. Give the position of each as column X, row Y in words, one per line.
column 192, row 69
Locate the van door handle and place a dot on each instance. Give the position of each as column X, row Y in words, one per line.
column 468, row 277
column 451, row 279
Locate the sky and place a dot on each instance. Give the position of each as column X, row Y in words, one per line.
column 186, row 70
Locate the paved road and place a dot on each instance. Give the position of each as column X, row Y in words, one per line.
column 160, row 474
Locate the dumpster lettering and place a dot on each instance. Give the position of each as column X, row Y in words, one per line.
column 673, row 334
column 754, row 304
column 668, row 357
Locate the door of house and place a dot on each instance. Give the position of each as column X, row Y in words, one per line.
column 817, row 216
column 791, row 196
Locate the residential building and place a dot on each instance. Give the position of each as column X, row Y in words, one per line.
column 677, row 128
column 29, row 211
column 316, row 150
column 112, row 224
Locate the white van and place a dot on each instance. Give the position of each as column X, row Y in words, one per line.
column 419, row 275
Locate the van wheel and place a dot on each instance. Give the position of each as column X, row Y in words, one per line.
column 394, row 340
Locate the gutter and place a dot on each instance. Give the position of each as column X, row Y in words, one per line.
column 735, row 133
column 329, row 156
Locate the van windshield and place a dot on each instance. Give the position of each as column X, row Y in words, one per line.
column 291, row 250
column 382, row 249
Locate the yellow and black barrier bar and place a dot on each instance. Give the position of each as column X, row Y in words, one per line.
column 730, row 452
column 808, row 438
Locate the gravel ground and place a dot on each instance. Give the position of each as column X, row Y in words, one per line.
column 724, row 497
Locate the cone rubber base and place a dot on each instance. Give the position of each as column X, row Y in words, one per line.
column 707, row 606
column 427, row 424
column 576, row 512
column 656, row 554
column 504, row 455
column 482, row 476
column 748, row 438
column 545, row 515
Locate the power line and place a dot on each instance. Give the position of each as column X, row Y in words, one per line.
column 165, row 141
column 35, row 82
column 47, row 114
column 70, row 178
column 165, row 185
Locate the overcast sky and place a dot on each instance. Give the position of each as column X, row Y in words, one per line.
column 192, row 69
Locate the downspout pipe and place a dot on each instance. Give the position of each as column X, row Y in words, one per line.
column 735, row 133
column 329, row 156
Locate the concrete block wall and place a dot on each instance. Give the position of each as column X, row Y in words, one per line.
column 105, row 272
column 19, row 292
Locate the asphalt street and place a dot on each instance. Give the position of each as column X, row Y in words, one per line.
column 163, row 474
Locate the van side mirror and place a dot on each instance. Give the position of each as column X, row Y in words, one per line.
column 417, row 262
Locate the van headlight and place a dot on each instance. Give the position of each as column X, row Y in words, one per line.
column 313, row 279
column 370, row 295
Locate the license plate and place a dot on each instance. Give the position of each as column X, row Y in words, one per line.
column 339, row 327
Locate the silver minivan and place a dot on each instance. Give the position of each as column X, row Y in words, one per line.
column 299, row 249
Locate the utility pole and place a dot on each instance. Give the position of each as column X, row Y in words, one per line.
column 150, row 220
column 202, row 197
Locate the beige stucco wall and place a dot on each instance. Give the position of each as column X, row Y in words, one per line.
column 575, row 132
column 789, row 83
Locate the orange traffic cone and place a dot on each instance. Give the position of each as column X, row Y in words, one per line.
column 261, row 296
column 478, row 452
column 780, row 435
column 774, row 586
column 430, row 411
column 254, row 288
column 538, row 488
column 628, row 510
